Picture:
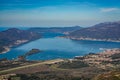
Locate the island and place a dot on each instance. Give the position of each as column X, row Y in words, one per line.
column 32, row 51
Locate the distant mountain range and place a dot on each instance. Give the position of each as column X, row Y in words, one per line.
column 64, row 30
column 13, row 37
column 108, row 31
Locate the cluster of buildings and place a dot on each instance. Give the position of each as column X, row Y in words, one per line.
column 102, row 59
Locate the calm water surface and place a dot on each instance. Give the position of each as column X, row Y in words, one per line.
column 59, row 48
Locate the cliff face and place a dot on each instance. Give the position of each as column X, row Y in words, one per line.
column 14, row 36
column 102, row 31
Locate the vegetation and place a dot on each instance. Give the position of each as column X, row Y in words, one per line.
column 102, row 31
column 114, row 75
column 2, row 49
column 73, row 65
column 32, row 51
column 14, row 37
column 53, row 75
column 115, row 56
column 91, row 67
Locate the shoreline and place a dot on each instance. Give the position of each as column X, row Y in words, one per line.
column 90, row 39
column 7, row 49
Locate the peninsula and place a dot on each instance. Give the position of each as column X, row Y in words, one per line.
column 14, row 37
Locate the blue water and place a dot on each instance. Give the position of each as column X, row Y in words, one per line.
column 3, row 28
column 59, row 48
column 53, row 47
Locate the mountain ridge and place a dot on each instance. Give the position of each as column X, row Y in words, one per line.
column 108, row 31
column 55, row 29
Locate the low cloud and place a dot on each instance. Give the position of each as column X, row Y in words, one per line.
column 108, row 9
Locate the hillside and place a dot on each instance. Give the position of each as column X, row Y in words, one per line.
column 108, row 31
column 55, row 29
column 113, row 75
column 98, row 66
column 13, row 37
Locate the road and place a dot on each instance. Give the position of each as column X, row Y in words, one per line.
column 32, row 65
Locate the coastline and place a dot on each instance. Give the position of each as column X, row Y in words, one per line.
column 7, row 49
column 91, row 39
column 19, row 43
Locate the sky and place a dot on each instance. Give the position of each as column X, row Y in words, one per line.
column 57, row 13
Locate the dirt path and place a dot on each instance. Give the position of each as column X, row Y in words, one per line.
column 32, row 65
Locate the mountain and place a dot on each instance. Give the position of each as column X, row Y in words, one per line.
column 55, row 29
column 108, row 31
column 13, row 37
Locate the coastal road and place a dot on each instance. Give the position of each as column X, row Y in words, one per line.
column 32, row 65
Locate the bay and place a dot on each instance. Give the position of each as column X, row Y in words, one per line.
column 53, row 47
column 59, row 48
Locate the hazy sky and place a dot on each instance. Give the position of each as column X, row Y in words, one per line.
column 52, row 13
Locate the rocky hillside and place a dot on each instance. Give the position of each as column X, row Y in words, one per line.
column 113, row 75
column 13, row 37
column 108, row 31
